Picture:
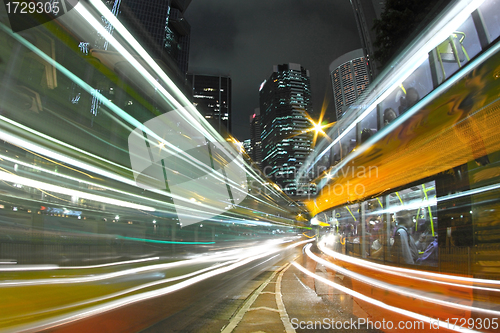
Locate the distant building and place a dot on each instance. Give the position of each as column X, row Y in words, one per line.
column 285, row 101
column 365, row 12
column 160, row 27
column 212, row 98
column 349, row 74
column 256, row 141
column 247, row 145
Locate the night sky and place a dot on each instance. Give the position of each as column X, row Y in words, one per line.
column 246, row 38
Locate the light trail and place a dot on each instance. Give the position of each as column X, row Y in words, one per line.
column 241, row 254
column 129, row 290
column 47, row 152
column 439, row 32
column 193, row 115
column 408, row 272
column 112, row 305
column 396, row 289
column 62, row 190
column 378, row 303
column 53, row 267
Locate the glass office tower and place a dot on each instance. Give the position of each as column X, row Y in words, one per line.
column 285, row 101
column 212, row 98
column 160, row 26
column 255, row 134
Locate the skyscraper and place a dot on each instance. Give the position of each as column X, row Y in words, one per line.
column 256, row 141
column 350, row 78
column 212, row 98
column 247, row 145
column 365, row 12
column 160, row 27
column 285, row 100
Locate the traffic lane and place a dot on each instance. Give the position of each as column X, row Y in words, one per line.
column 187, row 307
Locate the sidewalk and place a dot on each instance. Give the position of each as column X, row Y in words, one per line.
column 289, row 301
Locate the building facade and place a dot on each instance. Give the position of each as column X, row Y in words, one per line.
column 365, row 12
column 212, row 98
column 160, row 27
column 349, row 74
column 247, row 146
column 285, row 101
column 255, row 137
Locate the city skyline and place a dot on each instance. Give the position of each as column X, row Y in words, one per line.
column 247, row 39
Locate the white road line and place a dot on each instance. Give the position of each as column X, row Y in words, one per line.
column 281, row 306
column 246, row 306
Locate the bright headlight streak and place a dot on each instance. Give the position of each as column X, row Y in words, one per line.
column 61, row 175
column 248, row 253
column 58, row 189
column 113, row 263
column 21, row 268
column 470, row 192
column 146, row 295
column 396, row 289
column 409, row 206
column 64, row 144
column 379, row 303
column 106, row 102
column 54, row 267
column 454, row 18
column 134, row 289
column 103, row 10
column 408, row 272
column 106, row 276
column 300, row 243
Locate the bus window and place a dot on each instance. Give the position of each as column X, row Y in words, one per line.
column 413, row 229
column 368, row 126
column 489, row 13
column 390, row 106
column 456, row 50
column 416, row 86
column 374, row 235
column 348, row 143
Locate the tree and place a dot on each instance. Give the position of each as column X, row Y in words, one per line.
column 399, row 24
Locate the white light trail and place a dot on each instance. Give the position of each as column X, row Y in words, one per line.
column 453, row 19
column 62, row 190
column 60, row 157
column 54, row 267
column 80, row 314
column 378, row 303
column 237, row 255
column 193, row 115
column 408, row 272
column 395, row 288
